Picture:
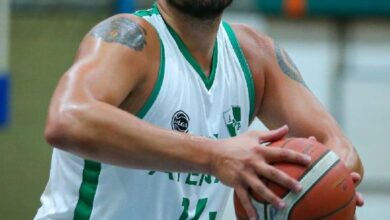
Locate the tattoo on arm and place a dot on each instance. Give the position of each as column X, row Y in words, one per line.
column 287, row 65
column 123, row 31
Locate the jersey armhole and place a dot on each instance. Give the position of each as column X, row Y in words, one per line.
column 148, row 12
column 157, row 87
column 245, row 68
column 92, row 169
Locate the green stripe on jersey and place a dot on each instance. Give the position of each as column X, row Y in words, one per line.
column 87, row 191
column 245, row 67
column 149, row 12
column 208, row 81
column 157, row 87
column 91, row 171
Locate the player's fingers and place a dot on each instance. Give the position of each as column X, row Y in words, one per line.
column 244, row 197
column 312, row 138
column 284, row 155
column 356, row 177
column 273, row 135
column 279, row 177
column 359, row 199
column 261, row 189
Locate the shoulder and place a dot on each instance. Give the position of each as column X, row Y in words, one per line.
column 129, row 40
column 124, row 47
column 126, row 20
column 258, row 49
column 126, row 29
column 257, row 46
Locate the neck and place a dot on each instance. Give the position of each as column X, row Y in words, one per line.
column 198, row 34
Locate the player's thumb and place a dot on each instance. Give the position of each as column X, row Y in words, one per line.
column 273, row 135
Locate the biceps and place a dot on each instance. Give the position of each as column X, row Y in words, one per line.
column 288, row 102
column 96, row 80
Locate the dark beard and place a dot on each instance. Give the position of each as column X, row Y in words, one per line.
column 202, row 9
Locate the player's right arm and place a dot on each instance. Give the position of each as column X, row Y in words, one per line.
column 118, row 62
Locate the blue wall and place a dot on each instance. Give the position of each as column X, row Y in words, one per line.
column 5, row 98
column 125, row 6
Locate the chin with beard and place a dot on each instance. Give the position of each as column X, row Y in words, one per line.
column 201, row 9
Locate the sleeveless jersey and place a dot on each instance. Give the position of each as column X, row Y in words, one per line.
column 183, row 99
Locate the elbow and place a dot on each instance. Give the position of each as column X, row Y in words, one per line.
column 352, row 160
column 55, row 132
column 359, row 168
column 61, row 129
column 346, row 151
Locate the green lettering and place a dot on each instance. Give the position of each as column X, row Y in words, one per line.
column 212, row 215
column 186, row 204
column 200, row 207
column 208, row 179
column 170, row 175
column 189, row 181
column 201, row 179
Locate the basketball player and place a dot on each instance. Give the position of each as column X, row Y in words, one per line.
column 151, row 120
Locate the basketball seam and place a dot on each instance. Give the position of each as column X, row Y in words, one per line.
column 336, row 210
column 285, row 143
column 307, row 171
column 303, row 174
column 313, row 165
column 314, row 184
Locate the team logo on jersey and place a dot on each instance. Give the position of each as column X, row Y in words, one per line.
column 180, row 121
column 232, row 119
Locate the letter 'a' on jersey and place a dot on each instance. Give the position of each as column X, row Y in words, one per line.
column 184, row 99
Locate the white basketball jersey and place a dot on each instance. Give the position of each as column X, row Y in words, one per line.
column 185, row 100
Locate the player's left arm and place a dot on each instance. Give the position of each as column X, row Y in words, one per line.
column 288, row 100
column 284, row 98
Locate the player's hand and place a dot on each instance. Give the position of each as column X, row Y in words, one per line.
column 359, row 197
column 356, row 180
column 243, row 163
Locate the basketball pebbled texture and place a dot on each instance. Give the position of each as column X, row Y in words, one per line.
column 328, row 189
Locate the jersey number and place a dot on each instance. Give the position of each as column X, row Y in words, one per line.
column 200, row 206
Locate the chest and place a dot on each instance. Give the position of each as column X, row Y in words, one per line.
column 187, row 102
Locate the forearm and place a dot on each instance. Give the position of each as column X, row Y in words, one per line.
column 98, row 131
column 325, row 129
column 328, row 132
column 344, row 148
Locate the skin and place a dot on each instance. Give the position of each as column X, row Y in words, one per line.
column 124, row 51
column 201, row 9
column 283, row 98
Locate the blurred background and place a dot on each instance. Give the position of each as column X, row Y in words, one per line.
column 342, row 48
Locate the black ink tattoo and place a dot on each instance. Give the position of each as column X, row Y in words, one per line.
column 287, row 65
column 123, row 31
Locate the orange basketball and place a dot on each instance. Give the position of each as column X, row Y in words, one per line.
column 328, row 190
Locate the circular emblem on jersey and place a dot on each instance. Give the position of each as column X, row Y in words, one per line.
column 180, row 121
